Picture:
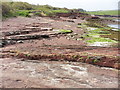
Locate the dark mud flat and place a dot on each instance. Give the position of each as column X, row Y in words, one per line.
column 21, row 72
column 54, row 74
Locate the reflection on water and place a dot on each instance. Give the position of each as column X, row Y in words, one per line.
column 101, row 44
column 114, row 26
column 117, row 20
column 115, row 29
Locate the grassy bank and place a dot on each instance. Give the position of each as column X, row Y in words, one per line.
column 107, row 12
column 10, row 9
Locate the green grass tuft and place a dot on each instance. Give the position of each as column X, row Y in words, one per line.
column 65, row 31
column 24, row 13
column 99, row 39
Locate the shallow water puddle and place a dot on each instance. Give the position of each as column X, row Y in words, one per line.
column 100, row 44
column 117, row 20
column 114, row 26
column 90, row 28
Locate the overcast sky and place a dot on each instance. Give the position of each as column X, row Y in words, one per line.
column 89, row 5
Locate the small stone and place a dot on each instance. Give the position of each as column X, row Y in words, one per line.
column 11, row 33
column 75, row 34
column 68, row 38
column 77, row 39
column 18, row 80
column 47, row 29
column 20, row 41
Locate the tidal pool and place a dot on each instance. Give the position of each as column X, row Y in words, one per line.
column 117, row 20
column 114, row 26
column 101, row 44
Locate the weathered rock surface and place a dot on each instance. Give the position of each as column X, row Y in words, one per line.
column 23, row 73
column 17, row 73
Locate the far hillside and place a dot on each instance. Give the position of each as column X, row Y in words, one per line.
column 106, row 12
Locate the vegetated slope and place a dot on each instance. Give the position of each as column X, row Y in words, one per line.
column 10, row 9
column 106, row 12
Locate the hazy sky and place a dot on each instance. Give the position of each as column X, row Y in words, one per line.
column 90, row 5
